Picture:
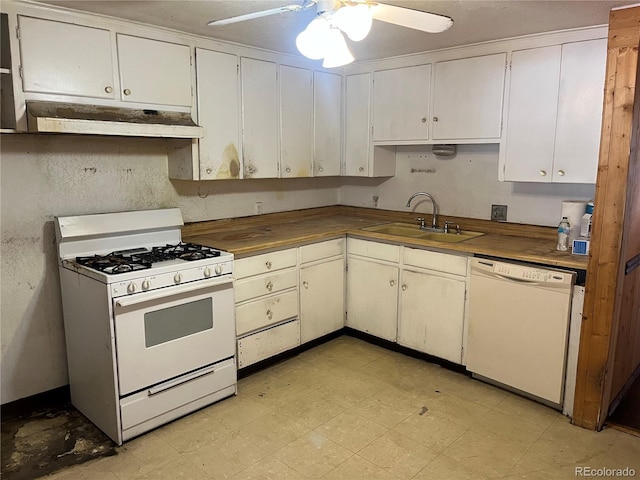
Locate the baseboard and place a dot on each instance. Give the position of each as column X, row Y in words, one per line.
column 57, row 397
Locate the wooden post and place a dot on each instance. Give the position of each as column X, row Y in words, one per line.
column 611, row 243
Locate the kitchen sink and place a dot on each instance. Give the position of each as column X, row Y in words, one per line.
column 413, row 231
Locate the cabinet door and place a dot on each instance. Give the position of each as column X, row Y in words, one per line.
column 327, row 107
column 321, row 299
column 65, row 59
column 296, row 144
column 357, row 128
column 259, row 118
column 372, row 298
column 577, row 143
column 154, row 72
column 432, row 314
column 467, row 102
column 218, row 114
column 401, row 104
column 531, row 123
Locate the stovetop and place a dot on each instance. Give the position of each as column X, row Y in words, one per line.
column 131, row 260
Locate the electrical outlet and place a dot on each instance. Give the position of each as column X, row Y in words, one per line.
column 499, row 213
column 258, row 208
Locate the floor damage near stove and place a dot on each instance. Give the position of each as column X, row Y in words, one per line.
column 49, row 440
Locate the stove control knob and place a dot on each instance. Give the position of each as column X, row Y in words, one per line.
column 218, row 269
column 131, row 288
column 146, row 285
column 177, row 278
column 207, row 272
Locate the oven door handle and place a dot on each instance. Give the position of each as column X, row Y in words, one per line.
column 168, row 291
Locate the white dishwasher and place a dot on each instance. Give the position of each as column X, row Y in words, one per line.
column 518, row 326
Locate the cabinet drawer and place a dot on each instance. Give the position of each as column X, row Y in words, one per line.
column 144, row 406
column 316, row 251
column 266, row 311
column 442, row 262
column 267, row 262
column 379, row 251
column 267, row 343
column 253, row 287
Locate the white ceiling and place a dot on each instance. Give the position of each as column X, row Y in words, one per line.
column 474, row 21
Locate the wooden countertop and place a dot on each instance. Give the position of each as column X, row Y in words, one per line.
column 251, row 235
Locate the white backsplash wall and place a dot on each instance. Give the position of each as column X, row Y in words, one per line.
column 42, row 176
column 465, row 185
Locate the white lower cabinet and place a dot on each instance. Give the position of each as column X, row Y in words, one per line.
column 424, row 311
column 267, row 343
column 431, row 316
column 372, row 288
column 321, row 289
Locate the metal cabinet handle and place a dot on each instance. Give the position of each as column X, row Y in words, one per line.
column 424, row 119
column 209, row 170
column 288, row 170
column 361, row 169
column 269, row 314
column 320, row 169
column 267, row 264
column 108, row 89
column 305, row 284
column 435, row 119
column 561, row 173
column 404, row 288
column 392, row 282
column 269, row 286
column 127, row 91
column 250, row 169
column 543, row 173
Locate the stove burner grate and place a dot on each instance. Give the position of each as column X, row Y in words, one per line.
column 123, row 262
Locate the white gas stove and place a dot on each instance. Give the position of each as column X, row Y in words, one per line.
column 148, row 319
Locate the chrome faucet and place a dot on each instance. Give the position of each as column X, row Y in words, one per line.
column 434, row 221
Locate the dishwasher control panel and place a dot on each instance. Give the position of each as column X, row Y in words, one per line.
column 525, row 273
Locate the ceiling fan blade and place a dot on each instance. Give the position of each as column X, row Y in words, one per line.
column 263, row 13
column 410, row 18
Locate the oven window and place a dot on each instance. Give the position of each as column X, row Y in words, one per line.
column 171, row 323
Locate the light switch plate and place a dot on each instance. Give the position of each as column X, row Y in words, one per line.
column 499, row 213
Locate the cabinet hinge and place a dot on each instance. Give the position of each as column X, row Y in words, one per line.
column 346, row 267
column 20, row 72
column 18, row 33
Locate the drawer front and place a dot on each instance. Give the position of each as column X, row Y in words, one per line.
column 379, row 251
column 265, row 263
column 266, row 311
column 267, row 343
column 441, row 262
column 317, row 251
column 253, row 287
column 143, row 406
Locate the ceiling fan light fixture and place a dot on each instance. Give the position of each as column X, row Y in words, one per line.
column 354, row 20
column 311, row 41
column 337, row 53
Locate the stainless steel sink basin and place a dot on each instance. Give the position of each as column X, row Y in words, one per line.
column 413, row 231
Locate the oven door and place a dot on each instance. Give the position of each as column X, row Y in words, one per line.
column 169, row 332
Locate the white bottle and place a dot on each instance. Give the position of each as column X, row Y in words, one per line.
column 563, row 235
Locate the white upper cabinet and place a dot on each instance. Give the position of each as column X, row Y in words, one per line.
column 218, row 114
column 296, row 104
column 554, row 113
column 357, row 126
column 467, row 98
column 73, row 60
column 579, row 123
column 327, row 118
column 401, row 104
column 154, row 72
column 65, row 59
column 260, row 149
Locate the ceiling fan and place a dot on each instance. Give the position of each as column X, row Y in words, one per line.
column 323, row 38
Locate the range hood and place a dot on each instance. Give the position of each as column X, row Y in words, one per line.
column 53, row 117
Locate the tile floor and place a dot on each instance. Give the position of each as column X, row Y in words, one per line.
column 351, row 410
